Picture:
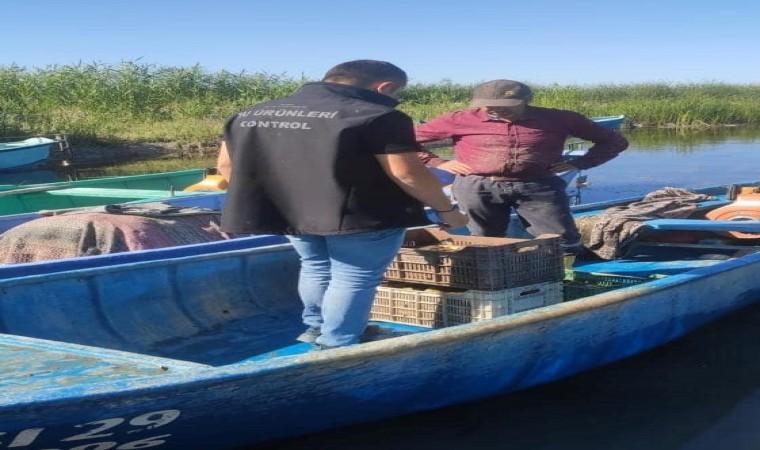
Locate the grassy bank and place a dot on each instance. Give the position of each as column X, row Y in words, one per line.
column 146, row 103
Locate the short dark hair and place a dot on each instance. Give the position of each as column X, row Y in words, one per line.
column 364, row 72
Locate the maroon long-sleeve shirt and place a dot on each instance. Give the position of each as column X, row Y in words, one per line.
column 522, row 148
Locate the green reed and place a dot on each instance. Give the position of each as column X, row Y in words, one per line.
column 132, row 101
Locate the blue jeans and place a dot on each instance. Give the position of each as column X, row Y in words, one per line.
column 339, row 277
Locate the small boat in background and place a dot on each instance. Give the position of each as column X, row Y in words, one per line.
column 614, row 122
column 25, row 154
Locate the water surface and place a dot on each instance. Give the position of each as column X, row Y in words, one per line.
column 669, row 158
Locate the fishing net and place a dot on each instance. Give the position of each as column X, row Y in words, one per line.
column 609, row 234
column 86, row 233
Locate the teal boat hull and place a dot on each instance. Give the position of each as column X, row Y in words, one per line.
column 19, row 199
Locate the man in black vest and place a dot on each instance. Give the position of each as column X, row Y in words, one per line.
column 334, row 167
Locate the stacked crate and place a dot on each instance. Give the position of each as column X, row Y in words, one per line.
column 438, row 279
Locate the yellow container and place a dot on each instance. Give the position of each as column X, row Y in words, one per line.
column 209, row 183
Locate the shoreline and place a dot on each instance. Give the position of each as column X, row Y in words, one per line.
column 91, row 153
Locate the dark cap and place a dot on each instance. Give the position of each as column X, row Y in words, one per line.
column 501, row 93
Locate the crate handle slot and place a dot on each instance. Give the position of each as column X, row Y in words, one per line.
column 530, row 292
column 439, row 248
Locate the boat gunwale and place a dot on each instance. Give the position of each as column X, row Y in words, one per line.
column 99, row 180
column 35, row 142
column 13, row 148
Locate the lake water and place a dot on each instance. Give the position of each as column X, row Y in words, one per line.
column 701, row 392
column 660, row 158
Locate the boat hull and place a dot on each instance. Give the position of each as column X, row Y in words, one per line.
column 196, row 350
column 244, row 391
column 25, row 154
column 19, row 199
column 614, row 122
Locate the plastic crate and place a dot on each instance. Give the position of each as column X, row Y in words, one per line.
column 411, row 306
column 438, row 308
column 585, row 284
column 434, row 257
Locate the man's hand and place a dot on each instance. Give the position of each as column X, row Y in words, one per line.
column 453, row 219
column 455, row 167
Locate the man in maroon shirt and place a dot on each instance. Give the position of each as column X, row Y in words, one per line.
column 508, row 154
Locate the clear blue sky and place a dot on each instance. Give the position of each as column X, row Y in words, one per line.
column 537, row 41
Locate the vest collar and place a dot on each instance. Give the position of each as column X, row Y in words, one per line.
column 349, row 91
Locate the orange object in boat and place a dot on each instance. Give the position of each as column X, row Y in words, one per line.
column 209, row 183
column 745, row 207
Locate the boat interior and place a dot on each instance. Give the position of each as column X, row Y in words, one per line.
column 148, row 319
column 722, row 228
column 138, row 319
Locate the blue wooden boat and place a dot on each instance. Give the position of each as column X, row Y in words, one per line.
column 26, row 153
column 197, row 351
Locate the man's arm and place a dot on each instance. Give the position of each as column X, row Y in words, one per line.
column 429, row 158
column 416, row 180
column 436, row 130
column 607, row 143
column 223, row 162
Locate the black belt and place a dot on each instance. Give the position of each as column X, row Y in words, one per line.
column 498, row 178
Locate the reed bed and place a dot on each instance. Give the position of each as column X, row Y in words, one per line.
column 147, row 103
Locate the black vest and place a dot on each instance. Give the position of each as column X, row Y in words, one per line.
column 305, row 164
